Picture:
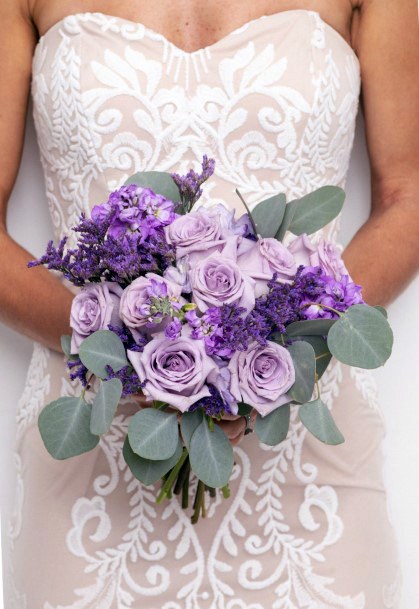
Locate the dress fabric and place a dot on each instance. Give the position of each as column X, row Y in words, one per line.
column 306, row 526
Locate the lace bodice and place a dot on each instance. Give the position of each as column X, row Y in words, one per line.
column 274, row 102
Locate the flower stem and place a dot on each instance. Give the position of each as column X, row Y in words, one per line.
column 198, row 502
column 226, row 491
column 167, row 486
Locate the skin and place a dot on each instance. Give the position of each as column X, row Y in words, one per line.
column 383, row 256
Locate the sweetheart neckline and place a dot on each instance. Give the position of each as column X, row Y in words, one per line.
column 215, row 44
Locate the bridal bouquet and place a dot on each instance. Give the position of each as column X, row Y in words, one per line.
column 206, row 316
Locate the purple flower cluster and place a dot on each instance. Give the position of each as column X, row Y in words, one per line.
column 197, row 300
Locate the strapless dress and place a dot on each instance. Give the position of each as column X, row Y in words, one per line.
column 306, row 526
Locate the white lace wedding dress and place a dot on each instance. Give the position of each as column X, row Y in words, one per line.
column 306, row 526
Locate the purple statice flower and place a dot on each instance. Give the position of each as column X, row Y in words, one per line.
column 77, row 370
column 99, row 256
column 173, row 329
column 125, row 335
column 131, row 383
column 190, row 185
column 213, row 405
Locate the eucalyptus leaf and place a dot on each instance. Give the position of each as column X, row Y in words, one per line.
column 382, row 310
column 66, row 344
column 286, row 220
column 361, row 337
column 100, row 349
column 104, row 406
column 267, row 215
column 64, row 426
column 321, row 350
column 146, row 470
column 188, row 423
column 316, row 417
column 310, row 327
column 273, row 428
column 211, row 455
column 244, row 409
column 160, row 182
column 304, row 360
column 153, row 434
column 316, row 209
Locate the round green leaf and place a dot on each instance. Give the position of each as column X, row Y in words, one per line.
column 304, row 360
column 267, row 215
column 211, row 455
column 321, row 350
column 310, row 327
column 286, row 220
column 273, row 428
column 104, row 406
column 66, row 344
column 317, row 209
column 316, row 417
column 146, row 470
column 188, row 423
column 160, row 182
column 100, row 349
column 361, row 337
column 382, row 310
column 153, row 434
column 65, row 428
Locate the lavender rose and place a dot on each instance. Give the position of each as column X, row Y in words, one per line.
column 261, row 259
column 325, row 254
column 145, row 300
column 218, row 280
column 261, row 376
column 195, row 232
column 176, row 370
column 94, row 308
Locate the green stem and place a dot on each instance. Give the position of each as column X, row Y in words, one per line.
column 184, row 471
column 167, row 486
column 210, row 423
column 322, row 355
column 317, row 386
column 226, row 491
column 198, row 502
column 185, row 492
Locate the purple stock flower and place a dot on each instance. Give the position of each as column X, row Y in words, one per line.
column 173, row 329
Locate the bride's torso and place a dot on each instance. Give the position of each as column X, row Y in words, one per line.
column 273, row 101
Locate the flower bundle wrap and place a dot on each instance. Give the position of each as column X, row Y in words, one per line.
column 209, row 317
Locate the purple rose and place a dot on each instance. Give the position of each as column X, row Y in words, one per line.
column 218, row 280
column 195, row 232
column 176, row 370
column 94, row 308
column 261, row 376
column 328, row 257
column 261, row 259
column 137, row 301
column 302, row 249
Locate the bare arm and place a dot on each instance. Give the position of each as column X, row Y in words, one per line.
column 32, row 301
column 384, row 254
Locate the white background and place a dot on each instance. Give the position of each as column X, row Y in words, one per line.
column 29, row 224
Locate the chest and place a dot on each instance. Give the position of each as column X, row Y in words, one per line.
column 191, row 24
